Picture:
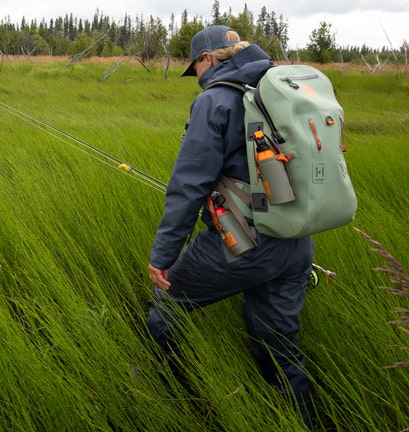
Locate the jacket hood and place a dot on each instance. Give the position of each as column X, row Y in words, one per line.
column 245, row 67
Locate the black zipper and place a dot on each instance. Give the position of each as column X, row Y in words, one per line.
column 276, row 136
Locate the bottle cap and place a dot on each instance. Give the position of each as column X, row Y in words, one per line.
column 220, row 210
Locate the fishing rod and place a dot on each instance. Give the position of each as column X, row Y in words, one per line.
column 328, row 273
column 124, row 167
column 52, row 130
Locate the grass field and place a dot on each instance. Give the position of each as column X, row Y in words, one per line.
column 76, row 233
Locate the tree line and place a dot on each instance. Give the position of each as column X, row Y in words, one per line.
column 151, row 38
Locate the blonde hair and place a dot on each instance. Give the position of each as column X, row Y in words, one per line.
column 222, row 54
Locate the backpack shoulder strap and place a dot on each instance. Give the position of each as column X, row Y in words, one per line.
column 238, row 86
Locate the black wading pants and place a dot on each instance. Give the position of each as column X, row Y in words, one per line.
column 272, row 279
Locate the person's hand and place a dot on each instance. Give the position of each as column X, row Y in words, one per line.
column 159, row 277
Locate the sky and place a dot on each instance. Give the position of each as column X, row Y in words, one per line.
column 375, row 23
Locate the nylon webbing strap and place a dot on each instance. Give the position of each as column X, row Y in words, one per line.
column 231, row 184
column 223, row 187
column 229, row 84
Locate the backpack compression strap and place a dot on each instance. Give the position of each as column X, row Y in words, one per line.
column 227, row 185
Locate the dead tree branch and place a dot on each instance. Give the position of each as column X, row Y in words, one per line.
column 142, row 63
column 390, row 44
column 168, row 57
column 378, row 65
column 113, row 68
column 87, row 50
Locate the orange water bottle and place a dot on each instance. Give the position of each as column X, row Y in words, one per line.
column 235, row 238
column 230, row 229
column 276, row 182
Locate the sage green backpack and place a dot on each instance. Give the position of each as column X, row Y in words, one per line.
column 296, row 109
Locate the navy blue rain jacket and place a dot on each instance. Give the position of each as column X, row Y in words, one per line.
column 214, row 144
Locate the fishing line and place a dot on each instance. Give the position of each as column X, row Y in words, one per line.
column 125, row 168
column 53, row 130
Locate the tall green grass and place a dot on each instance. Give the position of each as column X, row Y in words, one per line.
column 75, row 241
